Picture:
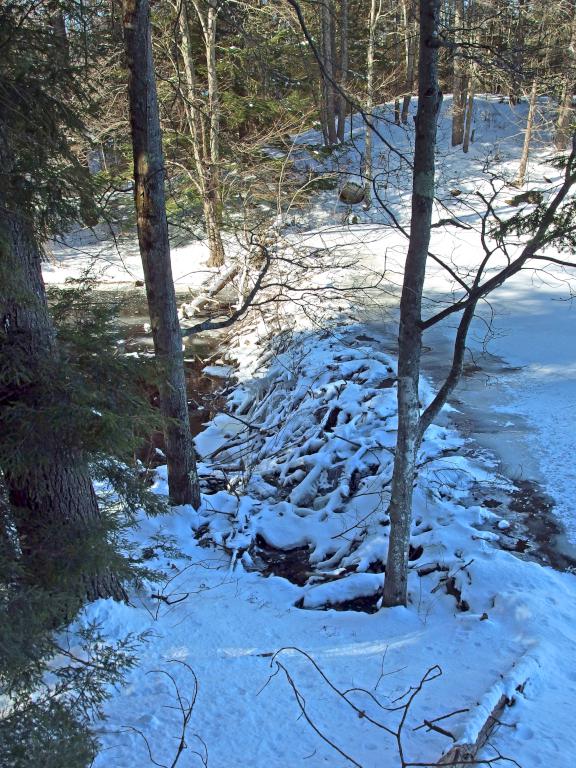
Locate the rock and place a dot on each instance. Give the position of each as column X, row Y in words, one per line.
column 351, row 193
column 532, row 197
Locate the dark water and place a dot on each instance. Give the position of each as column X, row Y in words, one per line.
column 205, row 394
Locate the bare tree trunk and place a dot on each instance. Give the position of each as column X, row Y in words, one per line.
column 518, row 55
column 59, row 26
column 410, row 334
column 155, row 251
column 527, row 136
column 54, row 506
column 206, row 148
column 566, row 112
column 468, row 133
column 375, row 6
column 410, row 50
column 212, row 206
column 326, row 11
column 460, row 79
column 342, row 104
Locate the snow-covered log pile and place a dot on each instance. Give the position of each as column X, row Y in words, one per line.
column 306, row 445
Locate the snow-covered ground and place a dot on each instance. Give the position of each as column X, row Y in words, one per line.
column 303, row 459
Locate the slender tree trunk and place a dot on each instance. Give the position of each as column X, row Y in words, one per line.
column 460, row 79
column 410, row 50
column 565, row 119
column 518, row 55
column 344, row 63
column 468, row 133
column 191, row 106
column 54, row 506
column 328, row 74
column 63, row 47
column 367, row 170
column 410, row 334
column 155, row 251
column 527, row 135
column 212, row 204
column 205, row 148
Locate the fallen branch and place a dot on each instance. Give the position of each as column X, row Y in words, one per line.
column 189, row 310
column 486, row 716
column 461, row 755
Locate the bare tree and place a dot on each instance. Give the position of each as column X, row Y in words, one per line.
column 527, row 135
column 551, row 223
column 469, row 103
column 566, row 111
column 204, row 121
column 460, row 79
column 410, row 335
column 149, row 198
column 375, row 11
column 411, row 47
column 343, row 65
column 328, row 73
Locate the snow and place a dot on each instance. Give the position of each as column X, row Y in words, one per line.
column 304, row 456
column 116, row 262
column 218, row 371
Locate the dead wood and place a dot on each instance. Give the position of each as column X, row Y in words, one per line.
column 189, row 310
column 462, row 755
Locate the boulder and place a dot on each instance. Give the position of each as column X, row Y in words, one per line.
column 351, row 193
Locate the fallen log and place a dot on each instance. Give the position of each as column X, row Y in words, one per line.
column 486, row 715
column 189, row 310
column 461, row 755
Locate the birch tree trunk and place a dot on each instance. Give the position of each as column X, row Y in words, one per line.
column 410, row 334
column 527, row 136
column 152, row 225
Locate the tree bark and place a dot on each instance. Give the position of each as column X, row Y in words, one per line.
column 152, row 225
column 326, row 11
column 212, row 204
column 55, row 509
column 343, row 69
column 410, row 334
column 527, row 136
column 565, row 119
column 460, row 79
column 367, row 170
column 518, row 53
column 468, row 133
column 410, row 49
column 205, row 140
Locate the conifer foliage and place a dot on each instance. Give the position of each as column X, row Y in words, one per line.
column 72, row 410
